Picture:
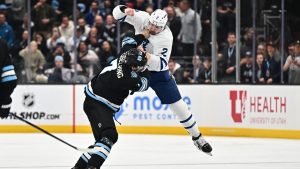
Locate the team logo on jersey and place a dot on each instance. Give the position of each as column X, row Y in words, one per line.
column 139, row 58
column 28, row 100
column 133, row 74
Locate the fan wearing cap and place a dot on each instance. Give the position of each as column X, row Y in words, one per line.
column 105, row 94
column 158, row 50
column 292, row 65
column 59, row 74
column 246, row 68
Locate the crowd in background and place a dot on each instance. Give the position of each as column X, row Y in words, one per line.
column 61, row 51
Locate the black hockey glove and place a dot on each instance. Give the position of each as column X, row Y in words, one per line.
column 5, row 108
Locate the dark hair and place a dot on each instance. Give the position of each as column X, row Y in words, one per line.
column 231, row 33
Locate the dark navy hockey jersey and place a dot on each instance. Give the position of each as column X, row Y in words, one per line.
column 8, row 78
column 116, row 81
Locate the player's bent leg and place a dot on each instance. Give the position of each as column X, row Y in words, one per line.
column 168, row 93
column 185, row 117
column 103, row 147
column 189, row 123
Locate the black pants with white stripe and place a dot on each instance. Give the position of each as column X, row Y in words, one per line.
column 104, row 130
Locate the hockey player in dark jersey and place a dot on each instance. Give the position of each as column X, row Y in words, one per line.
column 106, row 92
column 8, row 79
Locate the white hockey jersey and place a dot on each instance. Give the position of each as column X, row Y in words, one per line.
column 159, row 45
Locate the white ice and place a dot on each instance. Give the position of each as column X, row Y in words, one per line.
column 33, row 151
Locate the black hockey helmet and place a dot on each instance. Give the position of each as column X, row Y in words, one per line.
column 136, row 58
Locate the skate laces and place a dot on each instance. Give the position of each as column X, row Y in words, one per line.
column 200, row 141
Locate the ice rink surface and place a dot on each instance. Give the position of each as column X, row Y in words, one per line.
column 33, row 151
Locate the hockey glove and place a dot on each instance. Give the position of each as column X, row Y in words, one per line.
column 5, row 108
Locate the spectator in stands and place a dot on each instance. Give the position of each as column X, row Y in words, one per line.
column 43, row 16
column 175, row 5
column 52, row 41
column 18, row 10
column 80, row 10
column 61, row 51
column 273, row 64
column 66, row 29
column 205, row 71
column 292, row 65
column 41, row 42
column 174, row 24
column 7, row 13
column 182, row 76
column 94, row 11
column 87, row 60
column 196, row 68
column 140, row 5
column 149, row 9
column 111, row 29
column 62, row 7
column 228, row 59
column 186, row 77
column 206, row 23
column 260, row 69
column 261, row 49
column 246, row 68
column 6, row 31
column 84, row 28
column 247, row 39
column 175, row 69
column 59, row 74
column 106, row 8
column 25, row 24
column 33, row 61
column 99, row 24
column 107, row 53
column 23, row 43
column 93, row 41
column 226, row 18
column 188, row 34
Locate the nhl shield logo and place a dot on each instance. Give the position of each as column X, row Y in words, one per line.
column 28, row 100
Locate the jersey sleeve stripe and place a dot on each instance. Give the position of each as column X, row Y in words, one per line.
column 144, row 84
column 122, row 19
column 8, row 73
column 129, row 41
column 163, row 63
column 7, row 68
column 9, row 78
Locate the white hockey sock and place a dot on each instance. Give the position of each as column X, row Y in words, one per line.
column 185, row 117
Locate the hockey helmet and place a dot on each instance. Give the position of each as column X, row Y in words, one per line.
column 136, row 60
column 157, row 21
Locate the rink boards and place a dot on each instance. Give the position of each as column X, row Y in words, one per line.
column 226, row 110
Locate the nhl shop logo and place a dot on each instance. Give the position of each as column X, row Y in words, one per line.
column 238, row 102
column 28, row 100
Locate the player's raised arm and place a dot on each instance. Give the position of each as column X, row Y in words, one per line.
column 134, row 17
column 134, row 41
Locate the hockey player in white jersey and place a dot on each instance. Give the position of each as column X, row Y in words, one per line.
column 158, row 50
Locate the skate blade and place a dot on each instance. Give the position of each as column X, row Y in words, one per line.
column 210, row 154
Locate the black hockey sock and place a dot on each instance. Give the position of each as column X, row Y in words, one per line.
column 82, row 162
column 98, row 158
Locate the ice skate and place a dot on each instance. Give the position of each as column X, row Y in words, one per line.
column 202, row 145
